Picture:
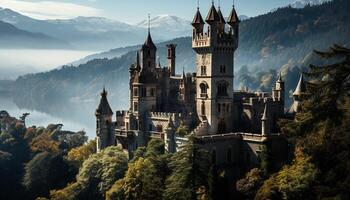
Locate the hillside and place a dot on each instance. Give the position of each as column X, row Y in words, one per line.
column 12, row 37
column 280, row 39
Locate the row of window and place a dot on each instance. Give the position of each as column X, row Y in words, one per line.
column 151, row 93
column 223, row 108
column 221, row 89
column 204, row 70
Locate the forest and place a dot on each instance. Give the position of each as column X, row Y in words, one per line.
column 49, row 163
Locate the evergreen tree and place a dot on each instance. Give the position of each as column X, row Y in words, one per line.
column 190, row 168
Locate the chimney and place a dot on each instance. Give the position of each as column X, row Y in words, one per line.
column 171, row 58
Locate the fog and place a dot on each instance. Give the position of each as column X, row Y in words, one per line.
column 16, row 62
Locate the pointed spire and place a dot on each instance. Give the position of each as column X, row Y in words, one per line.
column 279, row 79
column 221, row 17
column 149, row 23
column 213, row 15
column 198, row 19
column 104, row 108
column 264, row 117
column 233, row 17
column 301, row 88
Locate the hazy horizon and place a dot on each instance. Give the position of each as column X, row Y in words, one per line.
column 120, row 10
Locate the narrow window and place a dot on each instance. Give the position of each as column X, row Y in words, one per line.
column 203, row 108
column 150, row 127
column 136, row 92
column 136, row 107
column 143, row 92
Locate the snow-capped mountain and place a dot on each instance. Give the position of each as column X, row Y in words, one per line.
column 303, row 3
column 167, row 24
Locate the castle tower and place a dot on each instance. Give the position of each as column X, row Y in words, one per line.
column 298, row 95
column 104, row 126
column 214, row 80
column 143, row 78
column 278, row 92
column 171, row 58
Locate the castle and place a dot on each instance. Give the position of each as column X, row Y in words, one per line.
column 233, row 126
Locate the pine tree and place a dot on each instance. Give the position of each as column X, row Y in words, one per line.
column 190, row 168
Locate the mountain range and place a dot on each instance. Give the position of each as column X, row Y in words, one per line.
column 97, row 33
column 12, row 37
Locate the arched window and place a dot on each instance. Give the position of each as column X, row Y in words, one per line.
column 203, row 88
column 222, row 89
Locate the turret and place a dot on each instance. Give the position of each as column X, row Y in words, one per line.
column 222, row 22
column 264, row 122
column 279, row 90
column 104, row 126
column 148, row 54
column 298, row 95
column 213, row 19
column 198, row 24
column 171, row 58
column 234, row 21
column 169, row 137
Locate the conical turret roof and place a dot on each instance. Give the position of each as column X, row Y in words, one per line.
column 104, row 108
column 149, row 42
column 221, row 17
column 233, row 17
column 301, row 88
column 198, row 19
column 213, row 15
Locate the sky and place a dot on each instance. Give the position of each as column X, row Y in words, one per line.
column 134, row 11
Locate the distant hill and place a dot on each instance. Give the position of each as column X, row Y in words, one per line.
column 97, row 33
column 280, row 39
column 12, row 37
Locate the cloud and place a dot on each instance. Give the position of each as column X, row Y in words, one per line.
column 50, row 9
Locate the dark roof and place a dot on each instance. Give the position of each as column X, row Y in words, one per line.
column 149, row 42
column 212, row 15
column 198, row 19
column 233, row 18
column 221, row 17
column 104, row 108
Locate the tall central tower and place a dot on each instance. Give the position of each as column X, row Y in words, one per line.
column 215, row 49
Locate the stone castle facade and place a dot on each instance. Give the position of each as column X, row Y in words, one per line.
column 234, row 126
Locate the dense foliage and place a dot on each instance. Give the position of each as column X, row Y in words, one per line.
column 321, row 136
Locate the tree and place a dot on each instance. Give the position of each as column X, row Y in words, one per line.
column 190, row 168
column 249, row 185
column 79, row 154
column 140, row 182
column 44, row 172
column 97, row 174
column 292, row 182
